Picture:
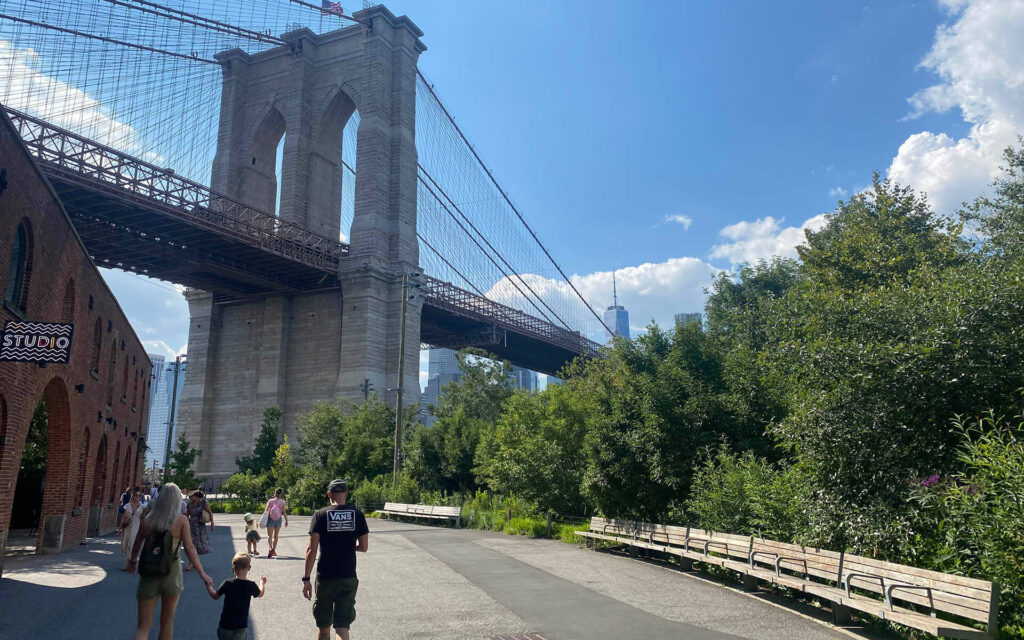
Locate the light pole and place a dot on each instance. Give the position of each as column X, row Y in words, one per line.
column 170, row 420
column 400, row 389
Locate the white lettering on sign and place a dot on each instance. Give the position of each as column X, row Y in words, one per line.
column 341, row 520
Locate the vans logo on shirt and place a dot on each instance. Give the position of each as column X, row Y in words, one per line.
column 341, row 520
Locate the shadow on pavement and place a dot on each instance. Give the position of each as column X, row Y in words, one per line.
column 83, row 591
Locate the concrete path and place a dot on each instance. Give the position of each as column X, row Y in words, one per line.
column 416, row 582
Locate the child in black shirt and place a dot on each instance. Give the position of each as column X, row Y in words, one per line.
column 237, row 592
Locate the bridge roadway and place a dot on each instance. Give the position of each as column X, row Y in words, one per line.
column 138, row 217
column 415, row 582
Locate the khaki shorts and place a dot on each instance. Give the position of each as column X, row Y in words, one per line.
column 334, row 604
column 153, row 586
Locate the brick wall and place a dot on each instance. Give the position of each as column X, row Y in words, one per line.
column 65, row 286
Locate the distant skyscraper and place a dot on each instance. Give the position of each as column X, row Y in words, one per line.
column 524, row 379
column 683, row 318
column 443, row 368
column 160, row 407
column 616, row 318
column 441, row 361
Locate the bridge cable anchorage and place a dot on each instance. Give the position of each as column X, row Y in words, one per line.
column 198, row 21
column 498, row 253
column 504, row 195
column 487, row 255
column 122, row 43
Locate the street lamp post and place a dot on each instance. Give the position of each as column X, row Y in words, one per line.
column 401, row 380
column 170, row 420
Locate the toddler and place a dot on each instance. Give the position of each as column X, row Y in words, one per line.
column 238, row 593
column 252, row 534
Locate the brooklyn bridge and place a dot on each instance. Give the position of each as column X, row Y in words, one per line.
column 309, row 189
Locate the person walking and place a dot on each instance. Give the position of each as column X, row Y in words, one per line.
column 238, row 593
column 199, row 513
column 153, row 491
column 277, row 509
column 131, row 517
column 162, row 532
column 338, row 532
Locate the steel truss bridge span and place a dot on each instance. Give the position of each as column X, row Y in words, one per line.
column 136, row 216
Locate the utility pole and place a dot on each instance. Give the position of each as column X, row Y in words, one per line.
column 401, row 380
column 367, row 387
column 170, row 420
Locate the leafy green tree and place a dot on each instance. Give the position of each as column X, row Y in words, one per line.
column 1000, row 219
column 265, row 447
column 320, row 434
column 247, row 487
column 534, row 451
column 443, row 457
column 179, row 468
column 651, row 405
column 879, row 347
column 284, row 471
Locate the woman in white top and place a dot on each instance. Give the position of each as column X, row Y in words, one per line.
column 130, row 518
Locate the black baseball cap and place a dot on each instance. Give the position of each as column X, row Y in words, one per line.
column 338, row 486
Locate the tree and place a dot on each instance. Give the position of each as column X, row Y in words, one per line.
column 248, row 487
column 650, row 405
column 879, row 347
column 535, row 453
column 443, row 457
column 265, row 446
column 179, row 469
column 284, row 471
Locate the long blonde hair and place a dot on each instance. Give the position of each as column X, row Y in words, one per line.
column 165, row 508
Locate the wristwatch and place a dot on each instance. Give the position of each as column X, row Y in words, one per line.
column 305, row 579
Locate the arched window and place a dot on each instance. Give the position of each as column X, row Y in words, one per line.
column 135, row 388
column 81, row 467
column 99, row 474
column 124, row 381
column 115, row 490
column 67, row 309
column 97, row 344
column 110, row 372
column 18, row 275
column 127, row 470
column 3, row 421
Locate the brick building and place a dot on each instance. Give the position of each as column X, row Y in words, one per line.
column 97, row 403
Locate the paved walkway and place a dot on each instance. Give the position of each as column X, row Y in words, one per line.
column 416, row 582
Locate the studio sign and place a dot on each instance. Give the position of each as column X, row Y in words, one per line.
column 36, row 342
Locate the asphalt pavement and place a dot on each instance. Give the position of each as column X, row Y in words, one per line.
column 416, row 582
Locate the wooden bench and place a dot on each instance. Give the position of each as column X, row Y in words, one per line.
column 902, row 594
column 429, row 511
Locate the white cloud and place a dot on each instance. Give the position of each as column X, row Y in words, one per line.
column 838, row 192
column 762, row 239
column 979, row 59
column 24, row 88
column 648, row 291
column 679, row 218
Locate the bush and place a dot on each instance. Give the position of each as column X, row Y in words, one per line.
column 972, row 522
column 744, row 494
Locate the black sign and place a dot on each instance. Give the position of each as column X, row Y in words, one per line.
column 36, row 342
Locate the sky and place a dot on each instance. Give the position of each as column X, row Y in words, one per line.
column 670, row 141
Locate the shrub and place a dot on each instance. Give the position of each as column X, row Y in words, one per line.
column 744, row 494
column 520, row 526
column 972, row 522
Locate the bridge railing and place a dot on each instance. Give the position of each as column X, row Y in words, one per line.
column 81, row 160
column 468, row 304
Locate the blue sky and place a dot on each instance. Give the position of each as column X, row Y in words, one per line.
column 671, row 140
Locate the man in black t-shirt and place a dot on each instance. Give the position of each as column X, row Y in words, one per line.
column 338, row 531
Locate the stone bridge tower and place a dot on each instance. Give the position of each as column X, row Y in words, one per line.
column 292, row 349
